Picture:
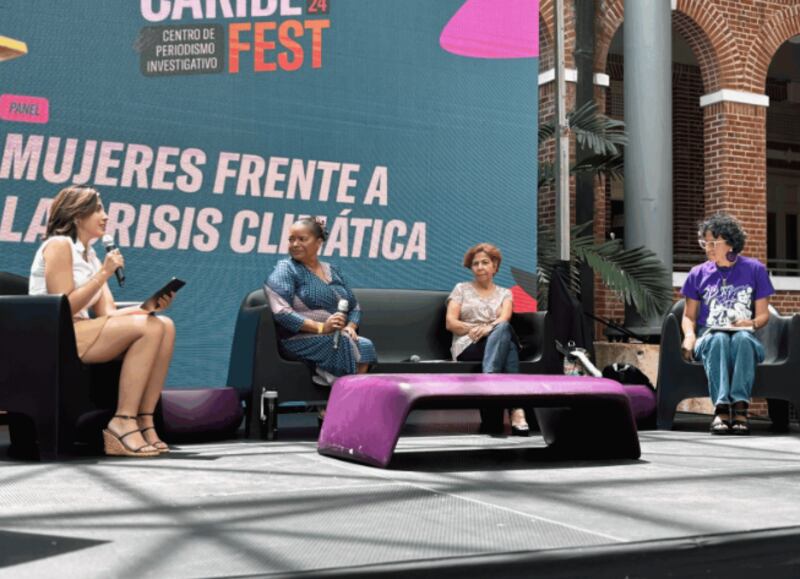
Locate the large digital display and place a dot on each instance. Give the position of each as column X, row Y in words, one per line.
column 209, row 126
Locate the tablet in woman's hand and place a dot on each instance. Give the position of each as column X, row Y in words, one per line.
column 173, row 285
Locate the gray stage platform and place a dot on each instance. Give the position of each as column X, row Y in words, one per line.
column 244, row 508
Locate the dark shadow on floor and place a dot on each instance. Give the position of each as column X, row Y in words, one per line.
column 468, row 460
column 691, row 422
column 16, row 548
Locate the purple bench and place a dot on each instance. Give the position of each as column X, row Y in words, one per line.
column 200, row 413
column 580, row 417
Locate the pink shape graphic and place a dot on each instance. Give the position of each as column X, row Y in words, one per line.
column 494, row 29
column 24, row 109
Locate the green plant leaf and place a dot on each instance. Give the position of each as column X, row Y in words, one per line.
column 595, row 131
column 637, row 274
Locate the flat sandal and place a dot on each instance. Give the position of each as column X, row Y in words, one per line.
column 720, row 425
column 740, row 427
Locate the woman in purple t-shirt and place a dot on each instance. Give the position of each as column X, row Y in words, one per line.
column 727, row 299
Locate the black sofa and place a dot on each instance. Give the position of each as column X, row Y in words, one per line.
column 775, row 377
column 401, row 324
column 51, row 397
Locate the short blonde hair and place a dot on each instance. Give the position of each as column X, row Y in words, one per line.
column 487, row 248
column 71, row 203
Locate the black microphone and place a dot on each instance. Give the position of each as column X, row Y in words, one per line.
column 108, row 243
column 343, row 306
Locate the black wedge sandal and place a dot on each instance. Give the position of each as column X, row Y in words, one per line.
column 114, row 444
column 722, row 420
column 159, row 444
column 739, row 426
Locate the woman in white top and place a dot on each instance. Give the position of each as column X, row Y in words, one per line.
column 478, row 315
column 66, row 264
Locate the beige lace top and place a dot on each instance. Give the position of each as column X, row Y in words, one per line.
column 475, row 310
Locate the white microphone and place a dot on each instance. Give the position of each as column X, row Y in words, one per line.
column 342, row 307
column 108, row 243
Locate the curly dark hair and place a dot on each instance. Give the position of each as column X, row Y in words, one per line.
column 724, row 226
column 316, row 225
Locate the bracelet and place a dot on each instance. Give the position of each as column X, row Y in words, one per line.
column 320, row 327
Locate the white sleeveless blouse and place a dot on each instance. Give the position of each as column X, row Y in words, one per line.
column 82, row 270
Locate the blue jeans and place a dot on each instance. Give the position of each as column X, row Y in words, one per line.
column 730, row 362
column 498, row 351
column 501, row 354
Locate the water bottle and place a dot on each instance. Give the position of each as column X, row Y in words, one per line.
column 269, row 413
column 572, row 366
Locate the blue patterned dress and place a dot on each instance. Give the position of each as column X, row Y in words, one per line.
column 296, row 294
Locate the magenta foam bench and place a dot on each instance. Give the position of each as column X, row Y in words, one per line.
column 579, row 416
column 200, row 413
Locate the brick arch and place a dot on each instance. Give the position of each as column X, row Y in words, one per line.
column 702, row 48
column 776, row 30
column 700, row 23
column 546, row 49
column 547, row 34
column 706, row 31
column 610, row 18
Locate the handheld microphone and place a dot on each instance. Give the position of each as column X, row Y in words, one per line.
column 342, row 307
column 108, row 243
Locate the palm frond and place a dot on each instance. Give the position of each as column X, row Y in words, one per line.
column 637, row 274
column 546, row 131
column 547, row 173
column 612, row 166
column 595, row 131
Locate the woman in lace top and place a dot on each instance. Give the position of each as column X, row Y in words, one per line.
column 478, row 315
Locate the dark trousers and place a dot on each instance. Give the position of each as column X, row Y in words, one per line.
column 498, row 352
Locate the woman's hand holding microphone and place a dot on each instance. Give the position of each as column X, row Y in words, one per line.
column 112, row 263
column 335, row 322
column 338, row 323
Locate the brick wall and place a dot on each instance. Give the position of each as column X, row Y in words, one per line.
column 786, row 302
column 719, row 151
column 687, row 159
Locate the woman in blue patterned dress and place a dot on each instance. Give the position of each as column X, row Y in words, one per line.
column 304, row 295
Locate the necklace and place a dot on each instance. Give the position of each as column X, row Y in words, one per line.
column 729, row 272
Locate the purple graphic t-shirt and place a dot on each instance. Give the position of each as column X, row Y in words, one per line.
column 727, row 294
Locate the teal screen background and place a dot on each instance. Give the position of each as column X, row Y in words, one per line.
column 457, row 136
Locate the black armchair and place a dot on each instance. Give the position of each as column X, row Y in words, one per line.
column 44, row 387
column 775, row 377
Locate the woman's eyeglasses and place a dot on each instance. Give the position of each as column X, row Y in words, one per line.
column 712, row 244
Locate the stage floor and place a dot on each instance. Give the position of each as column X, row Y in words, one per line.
column 245, row 508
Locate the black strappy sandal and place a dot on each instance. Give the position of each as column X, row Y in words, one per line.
column 163, row 445
column 115, row 445
column 721, row 425
column 519, row 429
column 740, row 427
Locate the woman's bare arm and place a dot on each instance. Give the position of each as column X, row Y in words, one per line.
column 453, row 322
column 59, row 280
